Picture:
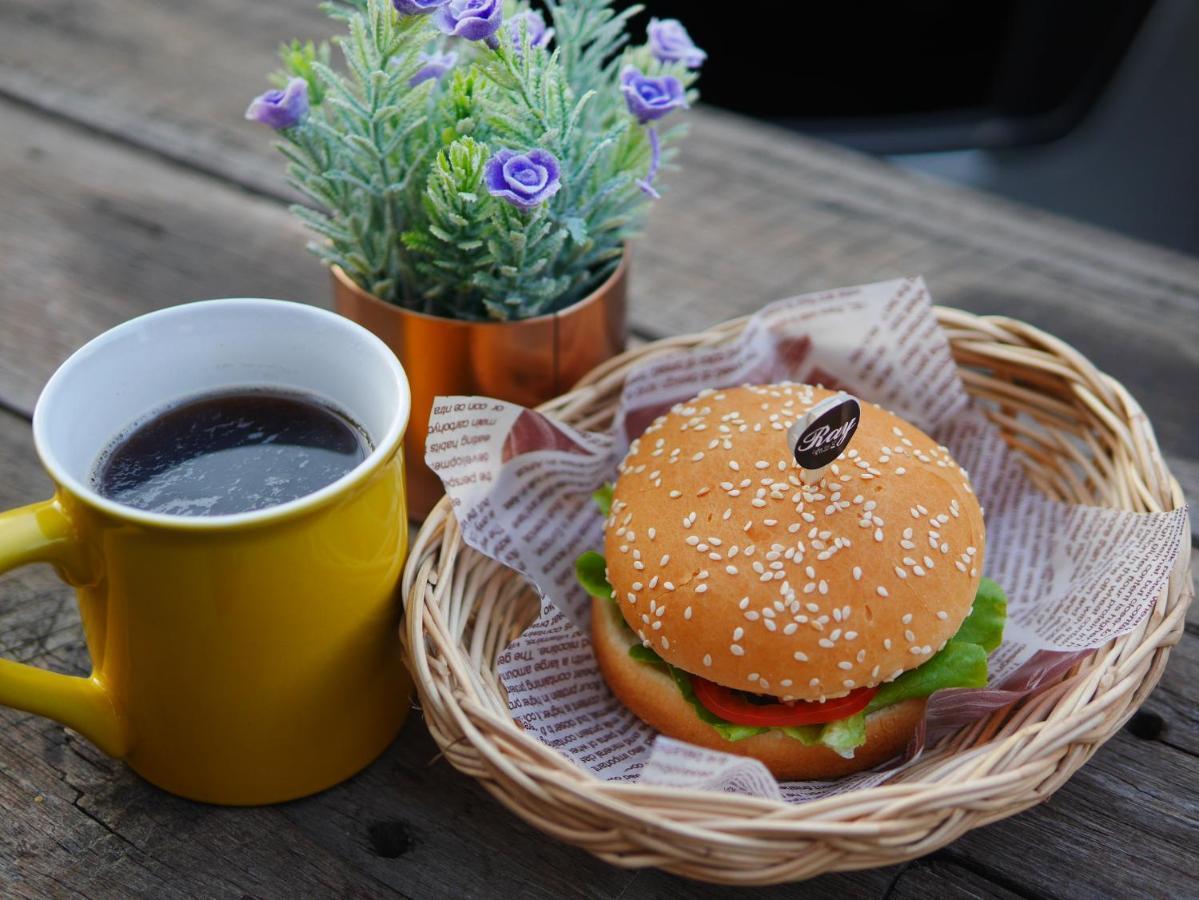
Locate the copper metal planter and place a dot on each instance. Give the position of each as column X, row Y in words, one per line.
column 526, row 362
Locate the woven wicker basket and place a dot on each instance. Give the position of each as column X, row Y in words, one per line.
column 1083, row 439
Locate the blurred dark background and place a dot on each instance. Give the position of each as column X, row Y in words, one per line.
column 1084, row 107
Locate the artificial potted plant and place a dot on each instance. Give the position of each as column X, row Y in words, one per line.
column 474, row 176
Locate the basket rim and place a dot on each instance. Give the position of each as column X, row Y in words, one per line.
column 895, row 806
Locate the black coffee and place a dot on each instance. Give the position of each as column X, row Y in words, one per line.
column 230, row 452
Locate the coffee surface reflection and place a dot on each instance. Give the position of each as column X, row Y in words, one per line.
column 230, row 452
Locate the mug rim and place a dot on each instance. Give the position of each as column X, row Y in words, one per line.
column 387, row 444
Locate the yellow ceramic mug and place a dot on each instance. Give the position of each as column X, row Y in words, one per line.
column 238, row 659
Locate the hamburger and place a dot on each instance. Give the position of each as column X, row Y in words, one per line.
column 801, row 616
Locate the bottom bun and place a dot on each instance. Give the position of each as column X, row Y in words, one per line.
column 654, row 697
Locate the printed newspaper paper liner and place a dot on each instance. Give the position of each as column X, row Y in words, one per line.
column 1080, row 437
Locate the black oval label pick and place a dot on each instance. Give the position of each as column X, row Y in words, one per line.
column 820, row 434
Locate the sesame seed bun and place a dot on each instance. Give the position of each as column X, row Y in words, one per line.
column 729, row 566
column 654, row 698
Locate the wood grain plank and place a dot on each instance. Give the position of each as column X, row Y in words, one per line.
column 941, row 877
column 78, row 823
column 92, row 234
column 1123, row 826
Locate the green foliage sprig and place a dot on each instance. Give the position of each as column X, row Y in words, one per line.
column 396, row 158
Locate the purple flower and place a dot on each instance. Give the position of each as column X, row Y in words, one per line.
column 531, row 20
column 475, row 20
column 651, row 97
column 523, row 179
column 435, row 65
column 670, row 42
column 281, row 108
column 417, row 7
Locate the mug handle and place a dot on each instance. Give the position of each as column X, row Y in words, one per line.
column 42, row 532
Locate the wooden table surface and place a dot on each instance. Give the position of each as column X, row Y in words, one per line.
column 129, row 181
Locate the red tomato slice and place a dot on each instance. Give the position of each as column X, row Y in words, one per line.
column 733, row 707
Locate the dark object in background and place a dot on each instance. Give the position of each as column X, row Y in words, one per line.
column 921, row 75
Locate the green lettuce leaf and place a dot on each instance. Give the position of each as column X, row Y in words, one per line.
column 845, row 735
column 603, row 499
column 958, row 664
column 591, row 570
column 984, row 625
column 644, row 654
column 808, row 735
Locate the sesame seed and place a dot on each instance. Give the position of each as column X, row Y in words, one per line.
column 800, row 656
column 736, row 650
column 738, row 633
column 657, row 624
column 919, row 570
column 707, row 659
column 845, row 664
column 881, row 591
column 928, row 562
column 901, row 572
column 907, row 617
column 743, row 603
column 667, row 585
column 942, row 615
column 665, row 642
column 732, row 570
column 822, row 586
column 664, row 560
column 826, row 643
column 674, row 495
column 699, row 589
column 857, row 573
column 733, row 465
column 878, row 535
